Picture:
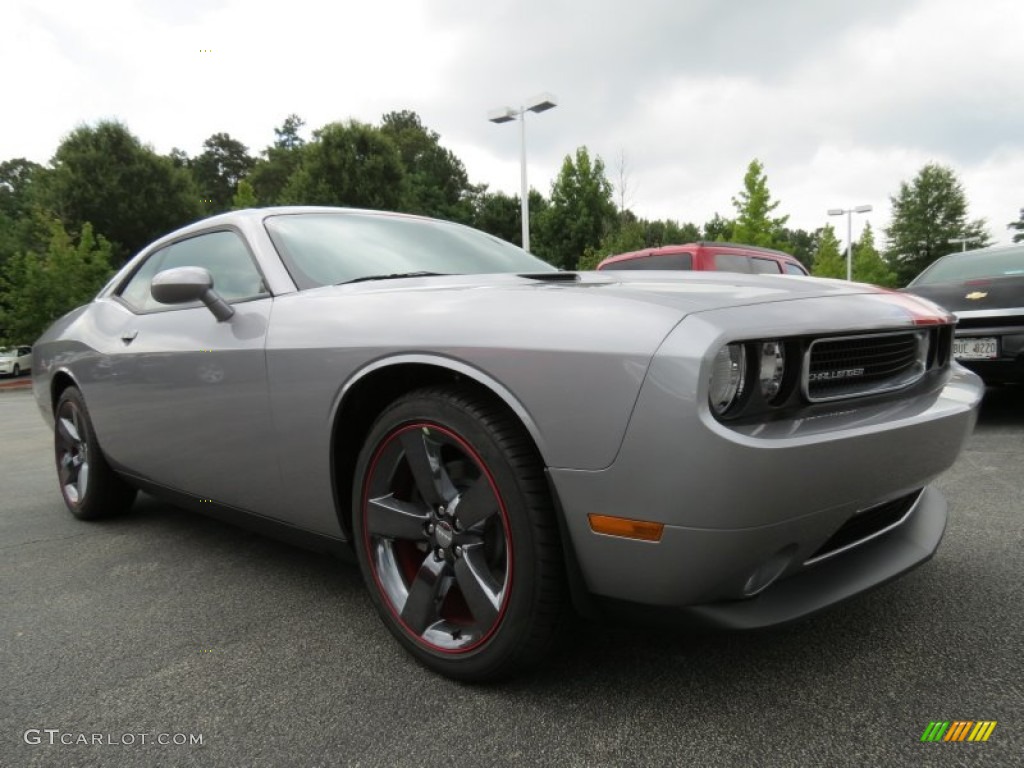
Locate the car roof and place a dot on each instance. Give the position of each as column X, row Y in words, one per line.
column 232, row 217
column 664, row 250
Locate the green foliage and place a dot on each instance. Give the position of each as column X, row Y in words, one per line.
column 495, row 213
column 926, row 214
column 828, row 261
column 288, row 134
column 868, row 264
column 18, row 182
column 754, row 205
column 223, row 163
column 438, row 183
column 581, row 211
column 244, row 197
column 37, row 287
column 271, row 173
column 632, row 234
column 105, row 176
column 349, row 164
column 589, row 260
column 801, row 244
column 629, row 235
column 719, row 229
column 1018, row 226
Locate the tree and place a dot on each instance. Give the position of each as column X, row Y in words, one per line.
column 349, row 164
column 223, row 163
column 438, row 183
column 629, row 235
column 801, row 244
column 20, row 180
column 271, row 173
column 17, row 186
column 868, row 264
column 1018, row 225
column 719, row 229
column 828, row 261
column 288, row 134
column 754, row 205
column 244, row 197
column 633, row 234
column 926, row 214
column 38, row 287
column 624, row 188
column 581, row 211
column 128, row 192
column 495, row 213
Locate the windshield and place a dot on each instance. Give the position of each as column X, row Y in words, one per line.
column 958, row 267
column 329, row 248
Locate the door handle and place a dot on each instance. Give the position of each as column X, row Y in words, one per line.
column 129, row 336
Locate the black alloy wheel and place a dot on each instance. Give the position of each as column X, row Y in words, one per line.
column 456, row 535
column 89, row 486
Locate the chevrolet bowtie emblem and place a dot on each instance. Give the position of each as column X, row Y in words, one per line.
column 976, row 295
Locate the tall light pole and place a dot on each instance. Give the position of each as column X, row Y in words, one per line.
column 849, row 232
column 539, row 103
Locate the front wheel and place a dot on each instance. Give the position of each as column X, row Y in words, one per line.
column 456, row 535
column 89, row 486
column 17, row 371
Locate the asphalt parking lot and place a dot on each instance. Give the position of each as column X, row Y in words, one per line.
column 168, row 625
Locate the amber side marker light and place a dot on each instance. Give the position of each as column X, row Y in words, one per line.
column 626, row 528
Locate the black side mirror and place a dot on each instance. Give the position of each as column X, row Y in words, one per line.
column 182, row 285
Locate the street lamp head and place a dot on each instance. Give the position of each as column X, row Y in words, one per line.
column 862, row 209
column 502, row 115
column 836, row 211
column 542, row 102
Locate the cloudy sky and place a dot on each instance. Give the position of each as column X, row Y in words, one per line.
column 840, row 101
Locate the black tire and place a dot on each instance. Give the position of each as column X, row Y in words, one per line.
column 456, row 536
column 90, row 488
column 16, row 372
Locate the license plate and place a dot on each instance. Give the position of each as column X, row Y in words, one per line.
column 975, row 349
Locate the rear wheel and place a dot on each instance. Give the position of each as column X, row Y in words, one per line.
column 456, row 535
column 89, row 486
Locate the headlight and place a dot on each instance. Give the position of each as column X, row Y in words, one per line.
column 773, row 368
column 728, row 372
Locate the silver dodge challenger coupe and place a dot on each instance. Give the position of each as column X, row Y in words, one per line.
column 499, row 443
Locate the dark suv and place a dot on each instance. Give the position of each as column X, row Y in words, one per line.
column 720, row 257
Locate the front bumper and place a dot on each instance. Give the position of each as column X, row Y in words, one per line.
column 735, row 499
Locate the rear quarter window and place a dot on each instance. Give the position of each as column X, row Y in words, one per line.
column 731, row 262
column 766, row 266
column 655, row 261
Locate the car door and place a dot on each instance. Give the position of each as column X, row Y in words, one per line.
column 184, row 397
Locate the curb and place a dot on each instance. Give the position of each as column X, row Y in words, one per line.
column 15, row 385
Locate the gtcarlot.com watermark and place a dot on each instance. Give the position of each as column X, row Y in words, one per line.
column 55, row 736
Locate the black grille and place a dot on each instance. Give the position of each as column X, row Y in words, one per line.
column 991, row 322
column 867, row 523
column 847, row 367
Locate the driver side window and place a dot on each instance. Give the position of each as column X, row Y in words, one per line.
column 223, row 254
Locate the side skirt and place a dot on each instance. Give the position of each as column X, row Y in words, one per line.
column 260, row 524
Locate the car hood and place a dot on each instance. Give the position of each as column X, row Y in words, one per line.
column 975, row 294
column 685, row 292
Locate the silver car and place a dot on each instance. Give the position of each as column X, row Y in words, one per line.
column 497, row 442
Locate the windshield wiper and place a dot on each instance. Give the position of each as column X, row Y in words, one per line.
column 393, row 276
